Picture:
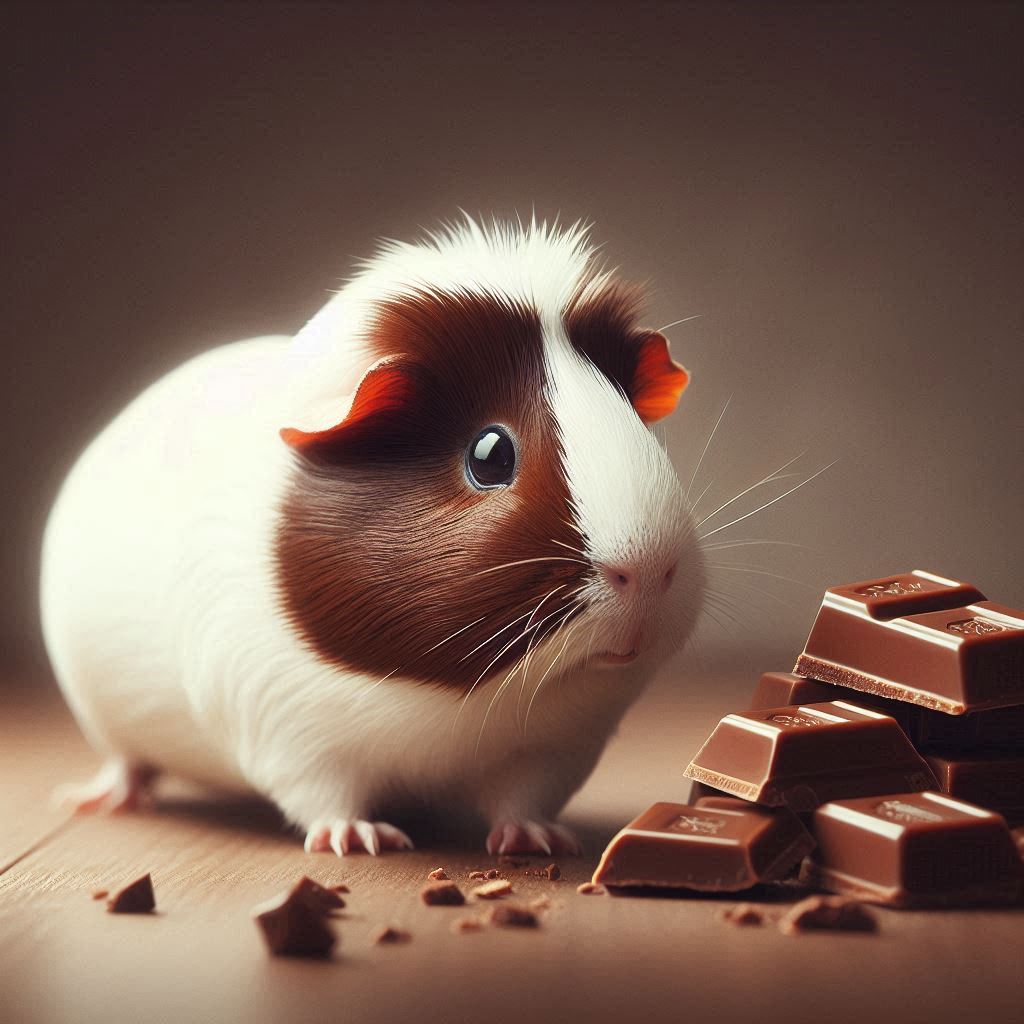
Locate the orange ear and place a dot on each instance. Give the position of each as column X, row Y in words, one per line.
column 386, row 387
column 658, row 381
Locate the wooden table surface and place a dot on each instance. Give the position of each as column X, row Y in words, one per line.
column 600, row 958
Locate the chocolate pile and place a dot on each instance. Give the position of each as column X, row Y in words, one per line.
column 899, row 745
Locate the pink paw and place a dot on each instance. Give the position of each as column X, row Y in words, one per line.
column 532, row 837
column 350, row 835
column 118, row 786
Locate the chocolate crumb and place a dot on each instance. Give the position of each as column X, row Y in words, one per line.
column 100, row 894
column 512, row 915
column 591, row 889
column 438, row 875
column 743, row 914
column 554, row 872
column 466, row 924
column 828, row 913
column 388, row 935
column 491, row 873
column 475, row 876
column 295, row 923
column 442, row 894
column 492, row 890
column 135, row 898
column 326, row 900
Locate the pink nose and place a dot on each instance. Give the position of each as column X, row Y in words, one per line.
column 624, row 578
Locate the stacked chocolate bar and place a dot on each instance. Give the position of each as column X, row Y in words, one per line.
column 889, row 765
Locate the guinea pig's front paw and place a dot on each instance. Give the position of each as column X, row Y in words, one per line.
column 350, row 835
column 532, row 837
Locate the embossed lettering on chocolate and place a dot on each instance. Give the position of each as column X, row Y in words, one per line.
column 807, row 754
column 920, row 638
column 720, row 844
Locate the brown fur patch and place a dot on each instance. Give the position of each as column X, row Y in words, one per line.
column 382, row 540
column 602, row 325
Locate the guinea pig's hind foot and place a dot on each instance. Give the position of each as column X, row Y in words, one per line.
column 350, row 835
column 532, row 837
column 120, row 785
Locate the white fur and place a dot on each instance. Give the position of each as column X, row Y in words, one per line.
column 165, row 626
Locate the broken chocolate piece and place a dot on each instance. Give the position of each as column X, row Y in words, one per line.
column 477, row 876
column 442, row 894
column 327, row 900
column 511, row 915
column 719, row 845
column 294, row 924
column 135, row 898
column 914, row 850
column 466, row 924
column 388, row 935
column 491, row 873
column 828, row 913
column 807, row 754
column 100, row 894
column 921, row 639
column 554, row 872
column 438, row 875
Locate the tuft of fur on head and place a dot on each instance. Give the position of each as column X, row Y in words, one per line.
column 389, row 561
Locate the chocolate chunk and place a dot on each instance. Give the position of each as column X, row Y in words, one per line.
column 919, row 638
column 777, row 689
column 438, row 875
column 719, row 845
column 1001, row 729
column 807, row 754
column 511, row 915
column 388, row 935
column 743, row 914
column 477, row 876
column 100, row 894
column 554, row 872
column 135, row 898
column 591, row 889
column 828, row 913
column 913, row 849
column 492, row 890
column 993, row 781
column 442, row 894
column 491, row 873
column 327, row 900
column 295, row 924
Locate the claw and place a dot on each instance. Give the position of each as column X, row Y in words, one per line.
column 350, row 835
column 531, row 837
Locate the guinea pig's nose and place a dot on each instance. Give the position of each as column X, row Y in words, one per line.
column 620, row 577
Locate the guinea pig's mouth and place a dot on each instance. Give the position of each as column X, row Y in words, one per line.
column 614, row 658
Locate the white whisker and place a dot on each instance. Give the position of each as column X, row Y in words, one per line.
column 718, row 529
column 676, row 323
column 527, row 561
column 696, row 469
column 770, row 478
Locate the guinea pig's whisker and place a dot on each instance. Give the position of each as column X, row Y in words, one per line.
column 547, row 672
column 569, row 547
column 761, row 508
column 542, row 600
column 770, row 478
column 707, row 445
column 535, row 642
column 726, row 544
column 757, row 571
column 497, row 633
column 700, row 497
column 527, row 561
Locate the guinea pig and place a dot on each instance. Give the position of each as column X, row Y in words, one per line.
column 429, row 550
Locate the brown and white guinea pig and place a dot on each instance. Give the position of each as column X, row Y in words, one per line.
column 427, row 551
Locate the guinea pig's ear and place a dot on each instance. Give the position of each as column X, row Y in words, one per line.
column 658, row 380
column 387, row 389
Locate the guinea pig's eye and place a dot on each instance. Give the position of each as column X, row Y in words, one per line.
column 491, row 458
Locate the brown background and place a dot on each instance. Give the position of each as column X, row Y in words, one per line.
column 836, row 189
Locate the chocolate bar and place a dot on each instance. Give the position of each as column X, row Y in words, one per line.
column 914, row 849
column 1000, row 729
column 807, row 754
column 991, row 780
column 919, row 638
column 722, row 845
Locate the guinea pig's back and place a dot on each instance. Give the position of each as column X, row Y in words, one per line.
column 158, row 540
